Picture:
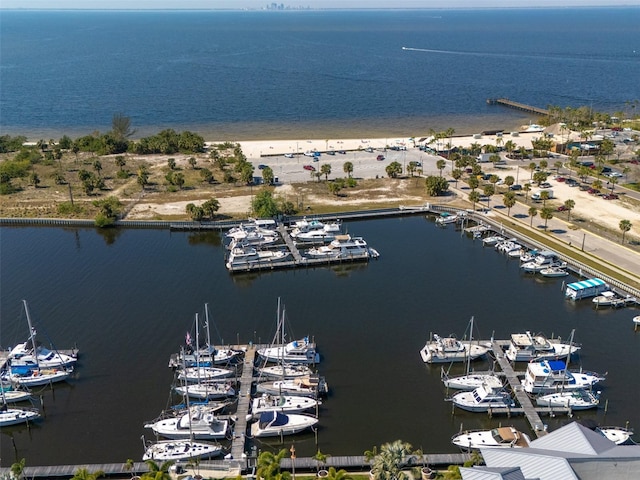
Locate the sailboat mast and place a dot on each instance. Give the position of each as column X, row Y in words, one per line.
column 206, row 325
column 32, row 335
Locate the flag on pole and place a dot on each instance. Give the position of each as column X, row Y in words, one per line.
column 188, row 339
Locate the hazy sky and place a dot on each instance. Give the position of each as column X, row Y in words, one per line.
column 257, row 4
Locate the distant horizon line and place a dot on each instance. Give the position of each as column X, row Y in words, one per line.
column 307, row 9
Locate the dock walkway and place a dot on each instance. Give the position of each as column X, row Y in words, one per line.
column 521, row 396
column 244, row 402
column 517, row 105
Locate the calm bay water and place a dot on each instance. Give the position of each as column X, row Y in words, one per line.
column 126, row 299
column 320, row 74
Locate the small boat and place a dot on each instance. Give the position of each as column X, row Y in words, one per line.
column 490, row 395
column 241, row 232
column 553, row 272
column 636, row 320
column 618, row 435
column 240, row 256
column 508, row 246
column 206, row 391
column 446, row 218
column 470, row 381
column 608, row 299
column 255, row 239
column 310, row 386
column 343, row 246
column 492, row 240
column 549, row 376
column 525, row 347
column 528, row 256
column 282, row 403
column 532, row 128
column 204, row 374
column 275, row 424
column 298, row 351
column 197, row 423
column 542, row 260
column 13, row 393
column 450, row 349
column 35, row 377
column 178, row 450
column 502, row 437
column 15, row 416
column 575, row 400
column 285, row 371
column 517, row 253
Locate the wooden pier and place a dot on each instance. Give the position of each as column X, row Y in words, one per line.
column 244, row 403
column 518, row 106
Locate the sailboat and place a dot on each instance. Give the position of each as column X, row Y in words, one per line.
column 35, row 375
column 11, row 394
column 450, row 349
column 297, row 351
column 15, row 416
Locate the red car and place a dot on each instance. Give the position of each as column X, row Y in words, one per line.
column 380, row 157
column 311, row 168
column 562, row 208
column 610, row 196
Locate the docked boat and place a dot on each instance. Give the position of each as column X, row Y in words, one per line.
column 241, row 232
column 282, row 403
column 553, row 272
column 609, row 299
column 450, row 349
column 544, row 259
column 241, row 256
column 35, row 377
column 297, row 352
column 15, row 416
column 548, row 376
column 179, row 450
column 525, row 347
column 508, row 246
column 490, row 395
column 618, row 435
column 310, row 386
column 302, row 228
column 344, row 246
column 636, row 320
column 197, row 423
column 446, row 218
column 284, row 371
column 501, row 437
column 574, row 399
column 13, row 394
column 204, row 374
column 255, row 239
column 532, row 128
column 206, row 391
column 491, row 240
column 275, row 424
column 470, row 381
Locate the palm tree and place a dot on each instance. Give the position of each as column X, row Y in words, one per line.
column 544, row 196
column 488, row 191
column 568, row 206
column 84, row 474
column 547, row 214
column 325, row 169
column 474, row 197
column 158, row 471
column 440, row 164
column 625, row 226
column 17, row 469
column 509, row 200
column 533, row 211
column 527, row 189
column 387, row 465
column 334, row 474
column 269, row 464
column 348, row 168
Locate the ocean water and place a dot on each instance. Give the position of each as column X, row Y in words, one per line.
column 245, row 75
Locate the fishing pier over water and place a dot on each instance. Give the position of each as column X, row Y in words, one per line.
column 505, row 102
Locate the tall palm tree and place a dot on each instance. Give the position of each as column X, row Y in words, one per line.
column 84, row 474
column 533, row 211
column 341, row 474
column 440, row 164
column 348, row 168
column 625, row 226
column 547, row 214
column 388, row 464
column 568, row 206
column 269, row 464
column 509, row 200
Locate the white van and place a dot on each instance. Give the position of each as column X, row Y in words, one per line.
column 538, row 195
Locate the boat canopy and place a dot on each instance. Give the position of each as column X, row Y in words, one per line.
column 273, row 418
column 583, row 285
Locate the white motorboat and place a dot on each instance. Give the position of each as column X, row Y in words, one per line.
column 548, row 376
column 490, row 241
column 303, row 229
column 608, row 299
column 311, row 386
column 618, row 435
column 282, row 403
column 490, row 395
column 179, row 450
column 542, row 260
column 11, row 394
column 501, row 437
column 450, row 349
column 285, row 371
column 241, row 232
column 518, row 253
column 553, row 272
column 532, row 128
column 508, row 246
column 241, row 256
column 298, row 351
column 15, row 416
column 275, row 424
column 197, row 423
column 343, row 246
column 255, row 239
column 528, row 256
column 636, row 320
column 206, row 391
column 525, row 347
column 204, row 374
column 574, row 399
column 446, row 218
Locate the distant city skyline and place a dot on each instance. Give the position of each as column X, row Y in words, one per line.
column 294, row 4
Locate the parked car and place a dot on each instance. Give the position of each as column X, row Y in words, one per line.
column 560, row 179
column 368, row 150
column 515, row 187
column 311, row 168
column 571, row 182
column 545, row 185
column 562, row 208
column 331, row 152
column 342, row 152
column 288, row 155
column 610, row 196
column 380, row 157
column 585, row 188
column 593, row 191
column 262, row 166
